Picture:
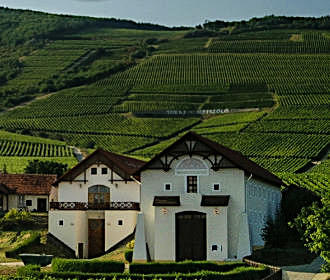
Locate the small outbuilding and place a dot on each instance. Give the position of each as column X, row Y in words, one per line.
column 31, row 192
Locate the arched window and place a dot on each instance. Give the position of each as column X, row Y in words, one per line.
column 98, row 194
column 191, row 166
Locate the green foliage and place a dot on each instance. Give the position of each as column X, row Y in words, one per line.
column 271, row 22
column 129, row 255
column 239, row 273
column 28, row 26
column 46, row 167
column 313, row 224
column 11, row 164
column 276, row 233
column 28, row 270
column 91, row 266
column 33, row 239
column 320, row 45
column 130, row 245
column 15, row 219
column 283, row 256
column 182, row 267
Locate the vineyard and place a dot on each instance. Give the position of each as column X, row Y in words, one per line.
column 306, row 43
column 17, row 150
column 264, row 93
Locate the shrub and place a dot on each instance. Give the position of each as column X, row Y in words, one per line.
column 28, row 270
column 130, row 245
column 183, row 267
column 129, row 255
column 275, row 232
column 240, row 273
column 63, row 265
column 15, row 219
column 138, row 54
column 34, row 239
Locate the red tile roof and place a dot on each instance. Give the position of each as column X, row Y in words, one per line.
column 33, row 184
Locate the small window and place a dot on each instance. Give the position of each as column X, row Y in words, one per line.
column 214, row 247
column 167, row 187
column 216, row 187
column 104, row 171
column 120, row 222
column 94, row 171
column 60, row 222
column 28, row 202
column 192, row 184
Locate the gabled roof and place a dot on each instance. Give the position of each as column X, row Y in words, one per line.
column 234, row 157
column 124, row 166
column 32, row 184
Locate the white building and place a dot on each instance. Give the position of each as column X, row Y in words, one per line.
column 31, row 192
column 98, row 202
column 195, row 200
column 202, row 201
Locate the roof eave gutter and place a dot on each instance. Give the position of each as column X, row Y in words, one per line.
column 135, row 180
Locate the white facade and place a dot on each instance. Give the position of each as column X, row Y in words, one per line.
column 263, row 201
column 228, row 228
column 77, row 190
column 195, row 191
column 71, row 226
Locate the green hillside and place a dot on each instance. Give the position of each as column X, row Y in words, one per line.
column 134, row 88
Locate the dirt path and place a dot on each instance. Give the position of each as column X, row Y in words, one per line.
column 305, row 272
column 77, row 153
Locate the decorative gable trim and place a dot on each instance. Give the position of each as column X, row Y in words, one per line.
column 124, row 166
column 219, row 157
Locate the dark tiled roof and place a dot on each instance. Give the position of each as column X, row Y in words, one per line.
column 235, row 157
column 123, row 165
column 215, row 200
column 33, row 184
column 166, row 201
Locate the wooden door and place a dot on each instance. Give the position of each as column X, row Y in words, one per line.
column 190, row 236
column 42, row 205
column 96, row 237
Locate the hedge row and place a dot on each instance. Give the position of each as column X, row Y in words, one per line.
column 92, row 266
column 182, row 267
column 34, row 239
column 239, row 273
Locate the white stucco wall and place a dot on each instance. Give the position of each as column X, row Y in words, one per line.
column 67, row 233
column 77, row 221
column 34, row 199
column 78, row 191
column 232, row 183
column 12, row 201
column 263, row 200
column 216, row 230
column 114, row 232
column 75, row 226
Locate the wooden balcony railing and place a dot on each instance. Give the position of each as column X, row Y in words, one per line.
column 127, row 205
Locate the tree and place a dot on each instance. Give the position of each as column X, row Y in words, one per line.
column 313, row 223
column 46, row 167
column 276, row 231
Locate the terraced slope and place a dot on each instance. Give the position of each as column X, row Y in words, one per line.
column 17, row 150
column 265, row 94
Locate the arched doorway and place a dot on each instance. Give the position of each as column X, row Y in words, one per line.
column 190, row 228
